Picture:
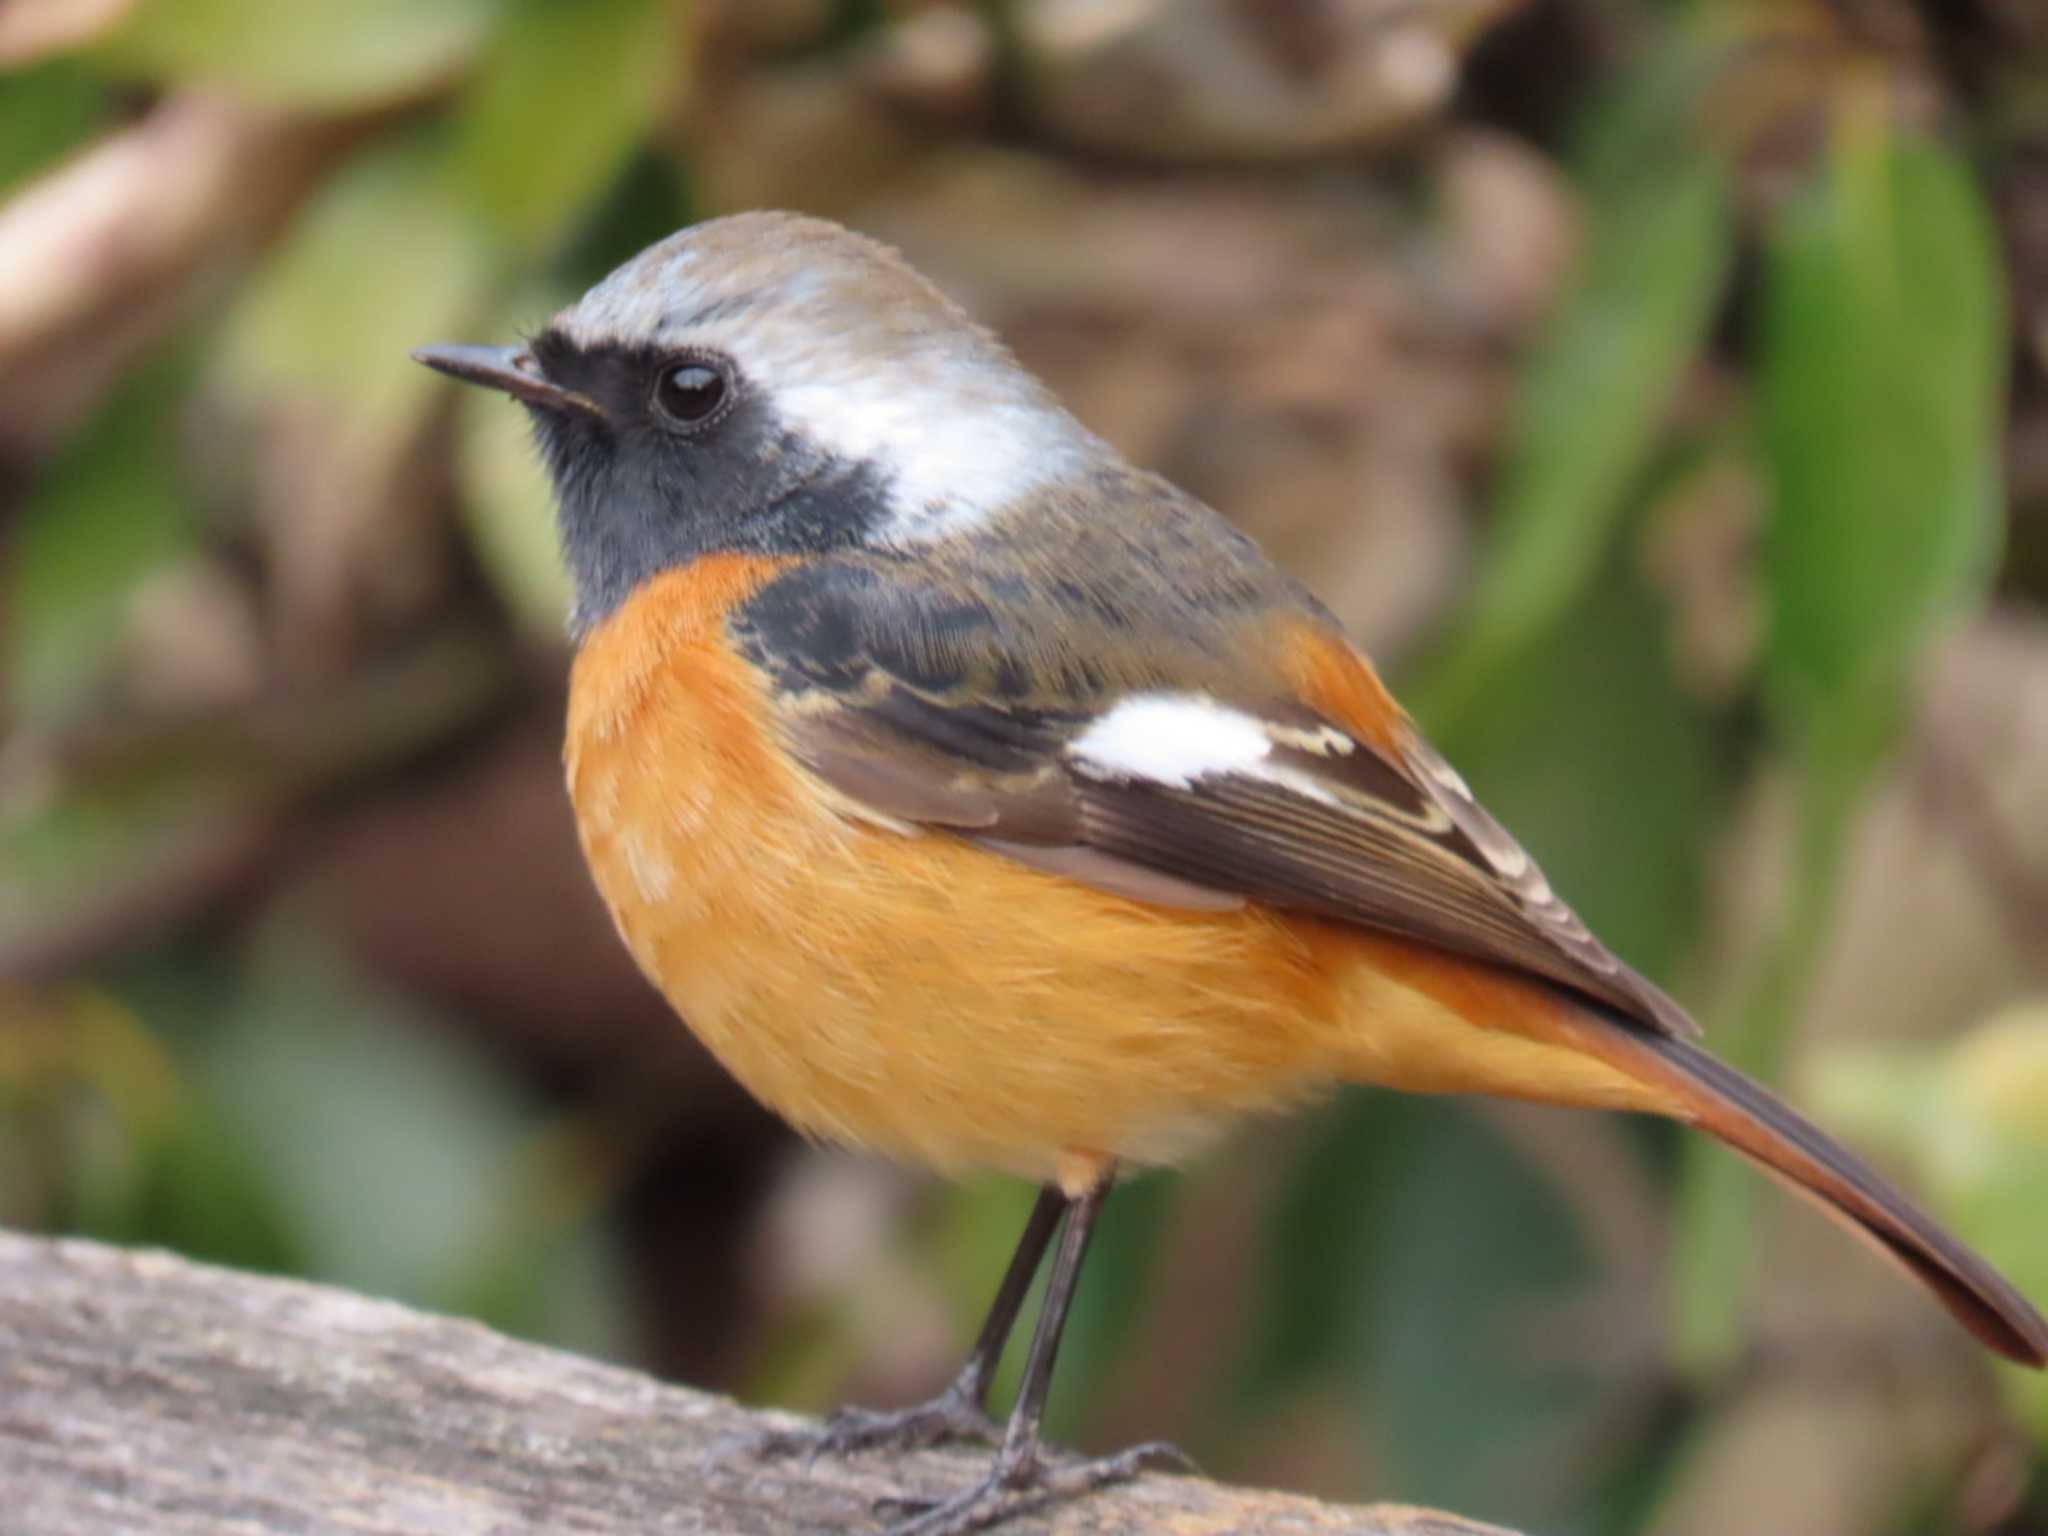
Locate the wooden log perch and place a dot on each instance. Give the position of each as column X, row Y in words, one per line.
column 144, row 1395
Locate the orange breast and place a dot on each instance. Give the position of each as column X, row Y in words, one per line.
column 897, row 989
column 907, row 991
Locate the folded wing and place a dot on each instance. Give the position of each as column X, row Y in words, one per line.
column 1197, row 796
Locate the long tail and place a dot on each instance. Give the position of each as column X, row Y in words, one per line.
column 1721, row 1101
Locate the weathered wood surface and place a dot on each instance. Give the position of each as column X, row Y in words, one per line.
column 142, row 1395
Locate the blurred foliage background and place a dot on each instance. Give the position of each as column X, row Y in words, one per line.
column 1660, row 389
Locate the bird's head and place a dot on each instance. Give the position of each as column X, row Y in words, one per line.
column 771, row 384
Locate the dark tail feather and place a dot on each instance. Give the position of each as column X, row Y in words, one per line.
column 1727, row 1105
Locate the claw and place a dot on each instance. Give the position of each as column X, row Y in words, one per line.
column 949, row 1416
column 1025, row 1479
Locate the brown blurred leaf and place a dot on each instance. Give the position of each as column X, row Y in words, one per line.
column 114, row 831
column 315, row 366
column 813, row 136
column 1205, row 80
column 941, row 61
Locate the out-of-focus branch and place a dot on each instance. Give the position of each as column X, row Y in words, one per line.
column 104, row 254
column 30, row 30
column 147, row 1395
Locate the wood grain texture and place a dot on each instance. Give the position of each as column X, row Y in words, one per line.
column 144, row 1395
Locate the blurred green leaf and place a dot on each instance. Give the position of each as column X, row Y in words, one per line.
column 44, row 113
column 1323, row 1236
column 1414, row 1258
column 1587, row 747
column 551, row 1271
column 69, row 855
column 144, row 1159
column 1881, row 404
column 100, row 829
column 104, row 515
column 2000, row 1081
column 561, row 97
column 202, row 1194
column 973, row 1241
column 1470, row 1396
column 1594, row 400
column 384, row 261
column 1123, row 1267
column 391, row 1145
column 508, row 506
column 1972, row 1116
column 319, row 54
column 572, row 1289
column 1386, row 1245
column 649, row 200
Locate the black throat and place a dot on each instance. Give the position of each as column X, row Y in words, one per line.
column 635, row 498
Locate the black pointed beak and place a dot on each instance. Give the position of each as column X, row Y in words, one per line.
column 511, row 369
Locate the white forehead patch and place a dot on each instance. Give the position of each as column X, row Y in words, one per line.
column 858, row 354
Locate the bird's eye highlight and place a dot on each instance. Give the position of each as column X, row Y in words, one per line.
column 690, row 394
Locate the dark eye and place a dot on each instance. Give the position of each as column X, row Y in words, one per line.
column 690, row 394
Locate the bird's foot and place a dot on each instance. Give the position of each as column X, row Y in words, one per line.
column 1022, row 1478
column 952, row 1415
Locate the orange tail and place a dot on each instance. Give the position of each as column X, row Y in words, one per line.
column 1721, row 1101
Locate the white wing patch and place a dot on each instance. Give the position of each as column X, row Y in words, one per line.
column 1177, row 739
column 1172, row 739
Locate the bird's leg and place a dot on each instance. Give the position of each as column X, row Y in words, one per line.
column 1021, row 1474
column 959, row 1412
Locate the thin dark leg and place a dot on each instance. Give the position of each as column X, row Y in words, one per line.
column 960, row 1412
column 979, row 1373
column 1052, row 1321
column 1020, row 1465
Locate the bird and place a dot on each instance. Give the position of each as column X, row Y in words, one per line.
column 985, row 801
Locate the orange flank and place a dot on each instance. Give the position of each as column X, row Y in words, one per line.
column 1425, row 1021
column 911, row 992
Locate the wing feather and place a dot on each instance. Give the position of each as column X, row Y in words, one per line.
column 1240, row 768
column 1394, row 844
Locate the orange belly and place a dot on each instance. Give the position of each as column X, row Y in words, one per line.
column 910, row 992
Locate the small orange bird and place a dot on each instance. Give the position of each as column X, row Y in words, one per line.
column 983, row 800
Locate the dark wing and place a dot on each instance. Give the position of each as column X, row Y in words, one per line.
column 1201, row 792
